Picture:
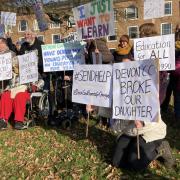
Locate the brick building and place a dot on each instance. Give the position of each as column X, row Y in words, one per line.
column 128, row 17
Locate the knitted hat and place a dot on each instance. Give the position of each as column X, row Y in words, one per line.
column 124, row 38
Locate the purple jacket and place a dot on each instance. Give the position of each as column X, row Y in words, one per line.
column 176, row 75
column 163, row 79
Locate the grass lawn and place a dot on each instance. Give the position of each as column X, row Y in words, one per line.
column 46, row 153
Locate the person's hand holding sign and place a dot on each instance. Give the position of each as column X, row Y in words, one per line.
column 89, row 108
column 67, row 78
column 138, row 124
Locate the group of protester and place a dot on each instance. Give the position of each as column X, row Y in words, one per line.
column 15, row 96
column 152, row 141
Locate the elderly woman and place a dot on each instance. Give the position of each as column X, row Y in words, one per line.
column 14, row 97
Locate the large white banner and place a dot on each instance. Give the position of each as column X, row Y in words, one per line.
column 153, row 9
column 157, row 47
column 28, row 67
column 135, row 91
column 95, row 19
column 8, row 18
column 92, row 84
column 62, row 56
column 5, row 66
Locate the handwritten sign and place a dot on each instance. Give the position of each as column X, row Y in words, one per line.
column 8, row 18
column 135, row 91
column 2, row 30
column 72, row 37
column 62, row 56
column 40, row 16
column 97, row 58
column 5, row 66
column 92, row 85
column 95, row 19
column 28, row 67
column 157, row 47
column 153, row 9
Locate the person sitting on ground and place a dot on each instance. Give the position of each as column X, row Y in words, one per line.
column 152, row 141
column 124, row 49
column 151, row 144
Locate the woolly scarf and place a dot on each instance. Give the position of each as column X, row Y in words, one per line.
column 123, row 51
column 177, row 44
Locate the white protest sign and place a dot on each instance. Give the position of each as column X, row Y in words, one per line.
column 97, row 58
column 2, row 30
column 95, row 19
column 28, row 67
column 72, row 37
column 92, row 84
column 62, row 56
column 135, row 91
column 153, row 9
column 157, row 47
column 5, row 66
column 8, row 18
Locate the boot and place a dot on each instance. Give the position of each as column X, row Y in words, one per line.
column 165, row 154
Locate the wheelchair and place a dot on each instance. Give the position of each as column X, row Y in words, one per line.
column 38, row 107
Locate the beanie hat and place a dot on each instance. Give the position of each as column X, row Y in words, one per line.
column 124, row 38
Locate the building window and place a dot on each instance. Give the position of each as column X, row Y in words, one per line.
column 54, row 25
column 168, row 8
column 8, row 28
column 131, row 12
column 56, row 38
column 112, row 38
column 22, row 39
column 112, row 50
column 41, row 38
column 166, row 28
column 133, row 32
column 71, row 22
column 35, row 25
column 115, row 14
column 23, row 25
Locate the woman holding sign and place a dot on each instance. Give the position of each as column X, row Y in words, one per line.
column 151, row 143
column 14, row 97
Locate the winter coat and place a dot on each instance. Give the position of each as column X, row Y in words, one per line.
column 176, row 75
column 101, row 45
column 123, row 53
column 151, row 131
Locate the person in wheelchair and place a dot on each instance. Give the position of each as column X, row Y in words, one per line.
column 14, row 96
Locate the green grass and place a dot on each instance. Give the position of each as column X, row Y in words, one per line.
column 45, row 153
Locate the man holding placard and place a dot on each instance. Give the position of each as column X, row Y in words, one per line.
column 32, row 43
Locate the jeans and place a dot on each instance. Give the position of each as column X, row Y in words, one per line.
column 125, row 155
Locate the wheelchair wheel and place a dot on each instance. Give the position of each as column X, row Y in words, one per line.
column 44, row 105
column 66, row 124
